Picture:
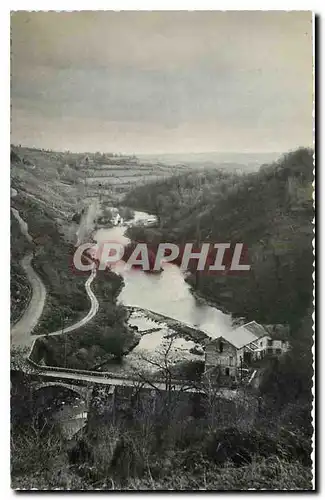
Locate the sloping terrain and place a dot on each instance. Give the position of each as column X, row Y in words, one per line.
column 269, row 211
column 51, row 195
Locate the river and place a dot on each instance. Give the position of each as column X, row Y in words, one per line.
column 166, row 293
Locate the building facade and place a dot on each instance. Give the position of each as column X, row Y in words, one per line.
column 222, row 355
column 230, row 354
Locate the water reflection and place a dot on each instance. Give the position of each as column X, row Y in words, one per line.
column 165, row 293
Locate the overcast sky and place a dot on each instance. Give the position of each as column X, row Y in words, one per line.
column 162, row 82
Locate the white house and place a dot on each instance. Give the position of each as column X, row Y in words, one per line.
column 236, row 349
column 279, row 335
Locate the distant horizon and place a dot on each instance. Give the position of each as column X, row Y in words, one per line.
column 170, row 153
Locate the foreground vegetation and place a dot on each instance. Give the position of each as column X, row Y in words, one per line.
column 162, row 440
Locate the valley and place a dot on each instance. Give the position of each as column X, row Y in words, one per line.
column 124, row 334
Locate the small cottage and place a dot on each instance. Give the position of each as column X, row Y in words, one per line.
column 231, row 352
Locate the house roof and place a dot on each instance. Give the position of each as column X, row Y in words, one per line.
column 240, row 337
column 245, row 334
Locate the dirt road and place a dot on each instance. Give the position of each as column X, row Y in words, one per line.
column 92, row 311
column 21, row 331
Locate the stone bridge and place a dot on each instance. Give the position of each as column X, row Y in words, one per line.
column 83, row 391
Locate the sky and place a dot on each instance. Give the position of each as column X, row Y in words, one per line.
column 162, row 82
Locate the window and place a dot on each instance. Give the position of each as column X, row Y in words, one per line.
column 227, row 372
column 231, row 361
column 269, row 342
column 220, row 346
column 278, row 351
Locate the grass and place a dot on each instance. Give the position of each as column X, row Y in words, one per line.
column 261, row 474
column 44, row 464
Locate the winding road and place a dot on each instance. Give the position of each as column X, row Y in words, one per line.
column 21, row 331
column 92, row 311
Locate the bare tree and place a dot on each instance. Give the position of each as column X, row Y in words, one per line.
column 168, row 390
column 211, row 390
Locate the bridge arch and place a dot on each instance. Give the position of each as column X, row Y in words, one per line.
column 83, row 392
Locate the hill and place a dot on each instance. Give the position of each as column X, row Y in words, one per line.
column 242, row 162
column 270, row 211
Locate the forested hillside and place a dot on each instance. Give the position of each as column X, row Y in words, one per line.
column 270, row 211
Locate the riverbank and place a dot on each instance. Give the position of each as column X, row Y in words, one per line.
column 237, row 319
column 185, row 331
column 167, row 293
